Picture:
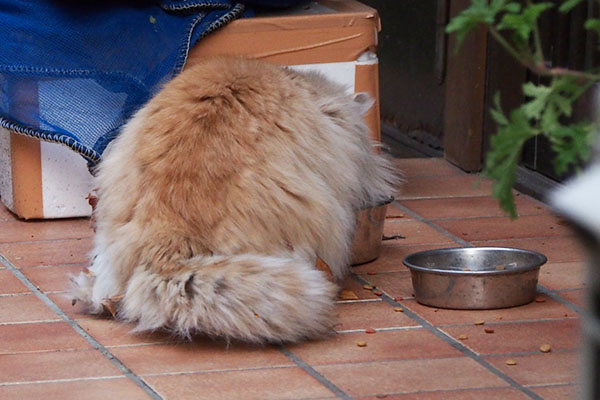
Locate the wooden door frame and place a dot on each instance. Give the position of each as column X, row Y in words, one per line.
column 464, row 108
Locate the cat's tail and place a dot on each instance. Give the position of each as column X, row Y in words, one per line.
column 246, row 297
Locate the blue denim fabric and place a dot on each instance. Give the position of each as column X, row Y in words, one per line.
column 73, row 71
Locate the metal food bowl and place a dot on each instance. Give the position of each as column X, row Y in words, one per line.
column 366, row 244
column 475, row 277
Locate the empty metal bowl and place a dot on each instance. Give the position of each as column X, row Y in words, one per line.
column 366, row 244
column 475, row 277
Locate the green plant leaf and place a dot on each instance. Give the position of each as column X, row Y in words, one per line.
column 572, row 145
column 480, row 12
column 547, row 107
column 534, row 108
column 569, row 5
column 593, row 24
column 498, row 114
column 512, row 8
column 504, row 155
column 522, row 24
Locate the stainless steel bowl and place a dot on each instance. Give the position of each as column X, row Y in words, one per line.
column 366, row 244
column 475, row 277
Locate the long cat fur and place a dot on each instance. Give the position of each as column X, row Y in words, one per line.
column 219, row 195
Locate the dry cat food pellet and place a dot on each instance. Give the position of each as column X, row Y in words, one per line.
column 370, row 330
column 361, row 343
column 348, row 295
column 488, row 330
column 540, row 300
column 511, row 362
column 378, row 293
column 479, row 322
column 462, row 337
column 500, row 267
column 545, row 348
column 398, row 309
column 399, row 215
column 367, row 287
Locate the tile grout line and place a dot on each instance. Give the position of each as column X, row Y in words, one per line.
column 557, row 297
column 60, row 240
column 217, row 371
column 90, row 339
column 506, row 322
column 314, row 373
column 29, row 322
column 65, row 380
column 431, row 224
column 391, row 329
column 459, row 390
column 455, row 344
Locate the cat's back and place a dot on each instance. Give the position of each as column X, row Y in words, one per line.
column 221, row 85
column 220, row 100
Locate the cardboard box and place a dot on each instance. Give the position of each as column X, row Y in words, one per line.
column 337, row 37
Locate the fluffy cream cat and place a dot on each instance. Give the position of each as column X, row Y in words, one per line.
column 219, row 196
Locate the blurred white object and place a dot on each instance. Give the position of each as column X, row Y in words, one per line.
column 579, row 201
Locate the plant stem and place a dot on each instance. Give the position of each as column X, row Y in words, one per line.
column 539, row 67
column 539, row 52
column 583, row 89
column 557, row 71
column 507, row 46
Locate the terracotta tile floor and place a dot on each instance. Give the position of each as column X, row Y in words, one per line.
column 49, row 349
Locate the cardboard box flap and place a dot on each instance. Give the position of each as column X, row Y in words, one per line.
column 318, row 14
column 338, row 30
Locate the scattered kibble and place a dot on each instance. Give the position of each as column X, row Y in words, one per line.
column 399, row 215
column 367, row 287
column 398, row 309
column 377, row 292
column 479, row 322
column 348, row 295
column 500, row 267
column 488, row 330
column 462, row 337
column 370, row 330
column 361, row 343
column 511, row 362
column 540, row 300
column 466, row 269
column 545, row 348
